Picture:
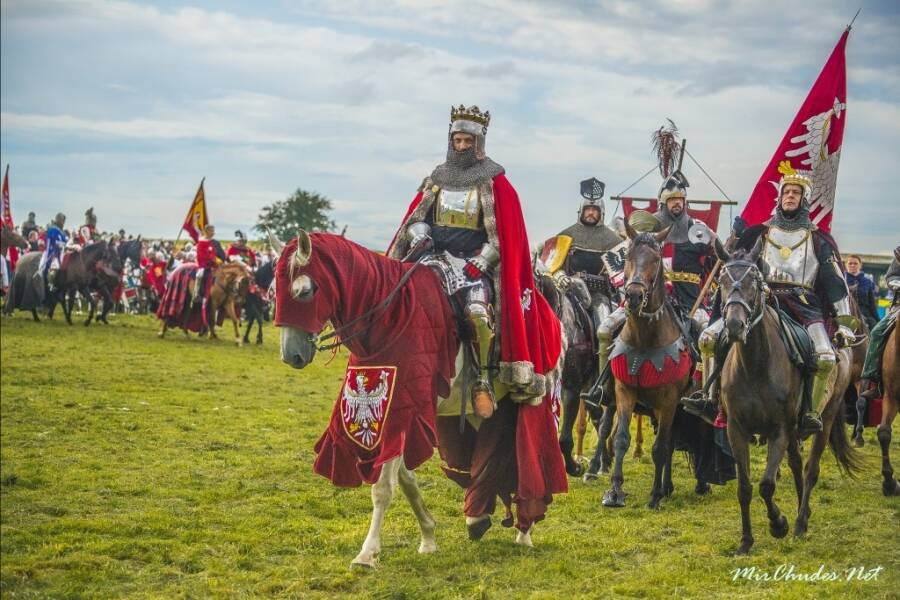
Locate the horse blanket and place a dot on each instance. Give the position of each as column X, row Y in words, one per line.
column 402, row 360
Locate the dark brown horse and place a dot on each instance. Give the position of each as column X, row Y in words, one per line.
column 761, row 390
column 890, row 400
column 96, row 267
column 650, row 328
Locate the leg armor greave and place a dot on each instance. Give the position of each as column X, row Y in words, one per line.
column 599, row 311
column 606, row 332
column 707, row 344
column 825, row 363
column 479, row 312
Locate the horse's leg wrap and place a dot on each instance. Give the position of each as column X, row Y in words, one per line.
column 606, row 333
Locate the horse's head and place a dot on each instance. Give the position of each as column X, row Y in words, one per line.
column 742, row 288
column 10, row 237
column 300, row 310
column 643, row 268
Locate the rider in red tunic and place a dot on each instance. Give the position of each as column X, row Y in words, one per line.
column 207, row 260
column 240, row 249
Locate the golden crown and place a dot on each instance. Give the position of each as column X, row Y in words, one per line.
column 470, row 113
column 791, row 175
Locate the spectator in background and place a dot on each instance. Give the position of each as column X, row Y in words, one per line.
column 863, row 287
column 28, row 226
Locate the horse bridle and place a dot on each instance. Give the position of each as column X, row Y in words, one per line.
column 647, row 291
column 755, row 314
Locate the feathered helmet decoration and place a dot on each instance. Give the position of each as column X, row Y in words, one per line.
column 675, row 186
column 791, row 176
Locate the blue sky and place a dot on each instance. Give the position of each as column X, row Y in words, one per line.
column 124, row 106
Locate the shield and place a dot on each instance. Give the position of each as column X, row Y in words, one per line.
column 365, row 403
column 555, row 251
column 614, row 261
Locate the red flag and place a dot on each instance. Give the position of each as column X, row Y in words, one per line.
column 812, row 146
column 7, row 213
column 13, row 252
column 196, row 218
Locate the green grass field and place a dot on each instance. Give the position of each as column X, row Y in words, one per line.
column 147, row 468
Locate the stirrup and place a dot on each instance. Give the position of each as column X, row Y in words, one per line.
column 483, row 399
column 810, row 424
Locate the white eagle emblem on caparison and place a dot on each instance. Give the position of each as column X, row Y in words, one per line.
column 365, row 402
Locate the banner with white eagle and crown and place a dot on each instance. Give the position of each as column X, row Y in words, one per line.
column 811, row 146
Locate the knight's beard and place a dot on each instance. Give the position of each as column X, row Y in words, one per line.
column 462, row 159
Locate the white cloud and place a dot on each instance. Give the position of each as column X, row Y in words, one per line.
column 351, row 100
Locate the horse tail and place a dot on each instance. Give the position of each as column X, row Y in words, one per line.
column 850, row 462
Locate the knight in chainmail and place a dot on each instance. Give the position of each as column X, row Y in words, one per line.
column 802, row 268
column 578, row 261
column 689, row 246
column 688, row 255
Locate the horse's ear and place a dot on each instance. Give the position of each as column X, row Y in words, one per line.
column 277, row 244
column 661, row 236
column 304, row 249
column 629, row 230
column 721, row 253
column 757, row 250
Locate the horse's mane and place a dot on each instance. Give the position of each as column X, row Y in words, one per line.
column 647, row 239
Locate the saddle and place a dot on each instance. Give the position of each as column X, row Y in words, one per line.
column 798, row 343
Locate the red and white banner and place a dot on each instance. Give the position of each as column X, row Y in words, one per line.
column 7, row 212
column 811, row 146
column 13, row 252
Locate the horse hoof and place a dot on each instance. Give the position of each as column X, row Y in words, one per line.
column 667, row 492
column 779, row 529
column 428, row 547
column 361, row 563
column 259, row 341
column 799, row 528
column 654, row 504
column 613, row 499
column 246, row 340
column 590, row 477
column 702, row 488
column 160, row 334
column 477, row 529
column 744, row 548
column 858, row 440
column 523, row 538
column 890, row 488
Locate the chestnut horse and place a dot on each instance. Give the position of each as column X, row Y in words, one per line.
column 649, row 327
column 229, row 288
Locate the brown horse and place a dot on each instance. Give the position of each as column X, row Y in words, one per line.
column 650, row 329
column 96, row 267
column 229, row 289
column 9, row 237
column 761, row 390
column 890, row 400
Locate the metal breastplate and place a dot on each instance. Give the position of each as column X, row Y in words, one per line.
column 458, row 209
column 791, row 257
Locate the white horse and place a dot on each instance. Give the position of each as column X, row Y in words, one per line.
column 298, row 347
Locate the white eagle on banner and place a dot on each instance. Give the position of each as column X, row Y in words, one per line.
column 820, row 166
